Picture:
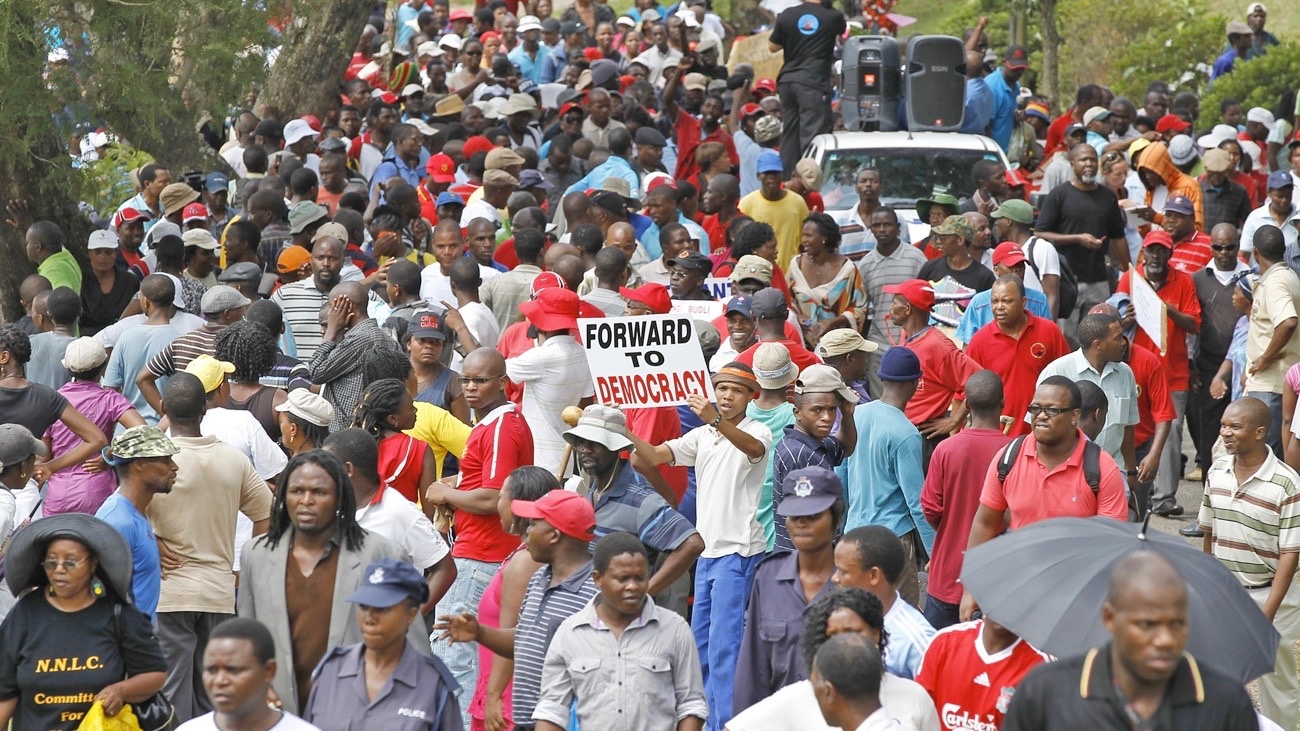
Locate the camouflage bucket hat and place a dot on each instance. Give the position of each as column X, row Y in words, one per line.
column 956, row 226
column 140, row 442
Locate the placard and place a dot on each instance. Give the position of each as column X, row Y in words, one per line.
column 699, row 309
column 637, row 362
column 753, row 50
column 1150, row 310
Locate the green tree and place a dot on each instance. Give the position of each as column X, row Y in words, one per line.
column 1179, row 50
column 1259, row 82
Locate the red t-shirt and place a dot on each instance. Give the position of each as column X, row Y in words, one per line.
column 814, row 201
column 401, row 463
column 688, row 129
column 928, row 248
column 717, row 231
column 944, row 370
column 657, row 425
column 1154, row 404
column 801, row 356
column 505, row 254
column 513, row 341
column 1018, row 362
column 1033, row 493
column 1179, row 292
column 970, row 688
column 498, row 444
column 1193, row 254
column 1056, row 133
column 428, row 205
column 949, row 499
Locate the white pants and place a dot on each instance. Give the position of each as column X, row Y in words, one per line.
column 1279, row 691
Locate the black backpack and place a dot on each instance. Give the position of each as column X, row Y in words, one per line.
column 1091, row 462
column 1067, row 291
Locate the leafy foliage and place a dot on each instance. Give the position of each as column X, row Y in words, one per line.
column 1180, row 51
column 1259, row 82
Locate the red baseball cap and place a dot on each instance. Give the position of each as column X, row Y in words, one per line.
column 572, row 107
column 916, row 291
column 653, row 295
column 750, row 110
column 312, row 121
column 1015, row 178
column 441, row 168
column 1158, row 237
column 475, row 145
column 194, row 212
column 543, row 282
column 1171, row 123
column 1008, row 254
column 459, row 14
column 129, row 215
column 568, row 512
column 765, row 85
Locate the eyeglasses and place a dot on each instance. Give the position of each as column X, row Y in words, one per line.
column 68, row 564
column 1112, row 156
column 1051, row 411
column 1223, row 247
column 477, row 380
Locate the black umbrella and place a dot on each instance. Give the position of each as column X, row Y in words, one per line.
column 1047, row 583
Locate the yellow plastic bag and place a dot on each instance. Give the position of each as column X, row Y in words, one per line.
column 96, row 720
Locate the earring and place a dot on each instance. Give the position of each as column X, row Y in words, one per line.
column 50, row 589
column 97, row 587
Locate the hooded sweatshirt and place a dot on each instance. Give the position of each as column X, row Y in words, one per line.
column 1156, row 159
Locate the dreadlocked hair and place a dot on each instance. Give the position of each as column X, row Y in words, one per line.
column 16, row 342
column 379, row 364
column 380, row 400
column 862, row 603
column 250, row 347
column 314, row 433
column 351, row 533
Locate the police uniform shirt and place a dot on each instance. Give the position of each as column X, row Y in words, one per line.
column 418, row 696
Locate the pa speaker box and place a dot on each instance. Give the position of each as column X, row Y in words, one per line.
column 935, row 86
column 871, row 84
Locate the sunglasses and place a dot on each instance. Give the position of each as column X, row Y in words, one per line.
column 1223, row 247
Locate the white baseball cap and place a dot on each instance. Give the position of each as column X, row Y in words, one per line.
column 297, row 130
column 101, row 239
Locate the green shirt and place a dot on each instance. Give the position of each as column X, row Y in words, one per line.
column 62, row 271
column 776, row 420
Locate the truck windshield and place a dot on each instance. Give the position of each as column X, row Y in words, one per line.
column 906, row 174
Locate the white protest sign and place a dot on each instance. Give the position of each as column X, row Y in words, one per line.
column 1150, row 311
column 698, row 309
column 719, row 287
column 638, row 362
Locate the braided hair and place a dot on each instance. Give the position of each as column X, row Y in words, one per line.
column 862, row 603
column 352, row 534
column 250, row 347
column 16, row 342
column 379, row 401
column 380, row 364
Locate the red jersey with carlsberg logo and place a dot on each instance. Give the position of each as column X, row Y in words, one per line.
column 971, row 688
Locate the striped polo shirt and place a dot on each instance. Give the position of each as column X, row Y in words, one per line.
column 629, row 504
column 878, row 271
column 301, row 302
column 544, row 608
column 1254, row 522
column 178, row 353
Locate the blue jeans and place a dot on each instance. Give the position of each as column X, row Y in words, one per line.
column 721, row 587
column 472, row 578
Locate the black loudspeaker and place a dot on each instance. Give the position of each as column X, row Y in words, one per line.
column 871, row 82
column 935, row 83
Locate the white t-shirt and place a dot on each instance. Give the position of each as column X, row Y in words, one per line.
column 554, row 375
column 482, row 325
column 208, row 722
column 479, row 209
column 1046, row 259
column 794, row 708
column 398, row 520
column 726, row 504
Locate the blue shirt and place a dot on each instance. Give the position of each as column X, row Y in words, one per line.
column 146, row 567
column 650, row 237
column 1004, row 107
column 909, row 637
column 396, row 167
column 884, row 473
column 979, row 107
column 553, row 65
column 629, row 504
column 1223, row 64
column 614, row 167
column 980, row 312
column 530, row 67
column 133, row 350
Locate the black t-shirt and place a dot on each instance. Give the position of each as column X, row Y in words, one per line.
column 1068, row 210
column 57, row 662
column 99, row 310
column 36, row 407
column 976, row 276
column 807, row 34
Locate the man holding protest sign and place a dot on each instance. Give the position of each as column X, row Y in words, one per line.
column 729, row 454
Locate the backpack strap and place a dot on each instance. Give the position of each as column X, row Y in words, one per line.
column 1029, row 257
column 1008, row 457
column 1092, row 466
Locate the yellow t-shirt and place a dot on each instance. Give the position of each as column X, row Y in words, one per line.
column 443, row 432
column 784, row 216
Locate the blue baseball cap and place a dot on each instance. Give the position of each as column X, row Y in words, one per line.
column 808, row 491
column 899, row 364
column 216, row 182
column 769, row 161
column 389, row 581
column 1280, row 179
column 742, row 303
column 447, row 198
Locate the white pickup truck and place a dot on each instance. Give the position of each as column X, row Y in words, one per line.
column 912, row 165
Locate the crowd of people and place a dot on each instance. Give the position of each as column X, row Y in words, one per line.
column 288, row 448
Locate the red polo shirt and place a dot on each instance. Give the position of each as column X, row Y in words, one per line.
column 1034, row 493
column 944, row 370
column 499, row 443
column 1179, row 292
column 1154, row 404
column 1018, row 361
column 1192, row 254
